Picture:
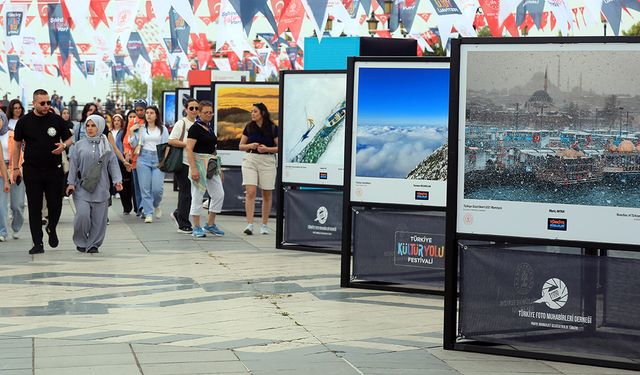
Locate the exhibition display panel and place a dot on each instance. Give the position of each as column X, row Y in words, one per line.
column 182, row 95
column 169, row 108
column 395, row 173
column 542, row 203
column 311, row 159
column 232, row 104
column 200, row 93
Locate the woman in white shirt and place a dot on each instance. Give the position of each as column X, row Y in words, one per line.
column 17, row 194
column 150, row 177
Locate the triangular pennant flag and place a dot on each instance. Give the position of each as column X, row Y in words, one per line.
column 247, row 9
column 317, row 13
column 13, row 65
column 180, row 30
column 612, row 11
column 534, row 7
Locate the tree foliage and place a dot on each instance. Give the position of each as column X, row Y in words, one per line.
column 634, row 30
column 484, row 31
column 136, row 88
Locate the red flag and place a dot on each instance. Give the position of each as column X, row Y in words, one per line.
column 491, row 9
column 278, row 7
column 149, row 10
column 28, row 20
column 45, row 47
column 97, row 8
column 65, row 70
column 214, row 9
column 160, row 68
column 206, row 20
column 383, row 33
column 196, row 4
column 362, row 19
column 233, row 60
column 553, row 21
column 65, row 14
column 479, row 21
column 140, row 22
column 425, row 16
column 510, row 24
column 43, row 10
column 383, row 18
column 291, row 18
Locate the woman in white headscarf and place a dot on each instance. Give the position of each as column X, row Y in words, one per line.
column 89, row 168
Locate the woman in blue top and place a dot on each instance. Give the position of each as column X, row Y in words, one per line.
column 260, row 142
column 150, row 177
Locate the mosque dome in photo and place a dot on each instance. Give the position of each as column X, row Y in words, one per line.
column 540, row 97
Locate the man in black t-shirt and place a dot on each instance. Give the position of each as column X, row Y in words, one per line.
column 45, row 136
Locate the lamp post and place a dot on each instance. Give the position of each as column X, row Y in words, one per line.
column 372, row 24
column 603, row 19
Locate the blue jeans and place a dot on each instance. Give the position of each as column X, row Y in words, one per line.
column 14, row 200
column 151, row 181
column 136, row 190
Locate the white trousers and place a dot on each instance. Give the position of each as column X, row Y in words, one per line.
column 216, row 192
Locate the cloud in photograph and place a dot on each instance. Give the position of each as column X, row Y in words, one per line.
column 393, row 152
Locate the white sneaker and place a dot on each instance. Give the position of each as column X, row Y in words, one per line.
column 148, row 219
column 16, row 235
column 249, row 229
column 117, row 195
column 158, row 212
column 264, row 229
column 3, row 238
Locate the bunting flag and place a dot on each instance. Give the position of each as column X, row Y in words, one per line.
column 200, row 44
column 317, row 13
column 214, row 9
column 14, row 16
column 64, row 68
column 179, row 29
column 171, row 47
column 136, row 48
column 366, row 6
column 247, row 10
column 230, row 30
column 612, row 10
column 43, row 10
column 13, row 65
column 292, row 53
column 533, row 7
column 59, row 32
column 97, row 12
column 292, row 17
column 560, row 15
column 278, row 7
column 408, row 11
column 174, row 69
column 81, row 65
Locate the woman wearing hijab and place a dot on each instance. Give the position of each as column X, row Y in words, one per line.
column 90, row 222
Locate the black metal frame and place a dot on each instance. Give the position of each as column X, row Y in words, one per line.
column 224, row 83
column 347, row 206
column 195, row 87
column 280, row 244
column 178, row 91
column 164, row 92
column 452, row 254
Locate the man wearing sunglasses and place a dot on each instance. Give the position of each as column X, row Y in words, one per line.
column 45, row 136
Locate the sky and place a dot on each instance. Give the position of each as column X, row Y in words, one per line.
column 604, row 72
column 403, row 96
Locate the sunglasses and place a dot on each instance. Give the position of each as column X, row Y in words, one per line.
column 193, row 108
column 48, row 102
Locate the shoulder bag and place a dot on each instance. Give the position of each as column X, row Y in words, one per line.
column 169, row 157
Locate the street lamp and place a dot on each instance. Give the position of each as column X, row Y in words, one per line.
column 372, row 24
column 388, row 6
column 603, row 19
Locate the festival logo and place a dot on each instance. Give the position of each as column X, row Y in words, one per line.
column 555, row 294
column 419, row 250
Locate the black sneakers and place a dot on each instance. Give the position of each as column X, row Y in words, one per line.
column 53, row 237
column 36, row 249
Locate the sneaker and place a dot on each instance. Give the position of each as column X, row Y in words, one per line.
column 213, row 229
column 53, row 237
column 198, row 232
column 148, row 219
column 185, row 230
column 249, row 229
column 3, row 238
column 158, row 212
column 16, row 235
column 264, row 229
column 117, row 195
column 36, row 249
column 92, row 250
column 175, row 220
column 81, row 249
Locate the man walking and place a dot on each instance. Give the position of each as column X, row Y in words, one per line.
column 45, row 136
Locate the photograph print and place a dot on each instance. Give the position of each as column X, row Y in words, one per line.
column 169, row 107
column 554, row 129
column 402, row 123
column 233, row 104
column 182, row 95
column 313, row 127
column 400, row 127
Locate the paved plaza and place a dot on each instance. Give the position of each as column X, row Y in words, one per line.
column 154, row 301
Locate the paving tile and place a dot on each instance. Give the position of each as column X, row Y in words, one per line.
column 228, row 368
column 96, row 359
column 15, row 363
column 187, row 356
column 92, row 370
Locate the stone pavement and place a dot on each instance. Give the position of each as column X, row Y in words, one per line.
column 154, row 301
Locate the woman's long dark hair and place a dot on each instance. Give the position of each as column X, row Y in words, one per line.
column 85, row 110
column 125, row 126
column 158, row 119
column 10, row 108
column 267, row 123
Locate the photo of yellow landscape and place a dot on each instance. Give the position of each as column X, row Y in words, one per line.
column 233, row 110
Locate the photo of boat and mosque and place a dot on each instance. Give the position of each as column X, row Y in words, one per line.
column 553, row 127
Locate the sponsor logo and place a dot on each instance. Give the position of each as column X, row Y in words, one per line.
column 52, row 132
column 556, row 224
column 555, row 294
column 323, row 175
column 422, row 195
column 322, row 215
column 468, row 218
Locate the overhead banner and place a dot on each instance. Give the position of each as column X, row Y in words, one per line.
column 59, row 31
column 313, row 218
column 90, row 67
column 399, row 247
column 313, row 128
